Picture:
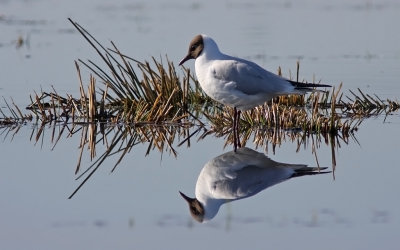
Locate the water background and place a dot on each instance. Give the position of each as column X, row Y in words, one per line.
column 138, row 205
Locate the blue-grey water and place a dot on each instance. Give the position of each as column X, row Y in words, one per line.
column 138, row 205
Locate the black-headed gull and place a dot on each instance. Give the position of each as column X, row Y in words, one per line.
column 236, row 82
column 233, row 176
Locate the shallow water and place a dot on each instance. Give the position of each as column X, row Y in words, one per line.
column 138, row 205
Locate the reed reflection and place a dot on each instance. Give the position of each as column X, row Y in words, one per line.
column 99, row 141
column 234, row 176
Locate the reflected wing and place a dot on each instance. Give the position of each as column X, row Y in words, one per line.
column 249, row 181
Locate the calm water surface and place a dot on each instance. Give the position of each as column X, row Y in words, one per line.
column 138, row 205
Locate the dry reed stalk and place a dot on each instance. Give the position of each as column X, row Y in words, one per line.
column 92, row 100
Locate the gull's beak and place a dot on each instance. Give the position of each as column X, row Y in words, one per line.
column 187, row 57
column 188, row 199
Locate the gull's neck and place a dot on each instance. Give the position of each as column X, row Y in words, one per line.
column 211, row 206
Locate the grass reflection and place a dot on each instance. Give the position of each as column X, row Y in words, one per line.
column 100, row 141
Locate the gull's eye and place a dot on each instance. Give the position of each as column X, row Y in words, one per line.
column 195, row 212
column 193, row 47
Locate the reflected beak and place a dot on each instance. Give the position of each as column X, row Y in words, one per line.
column 187, row 57
column 188, row 199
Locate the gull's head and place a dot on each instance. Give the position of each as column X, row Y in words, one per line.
column 199, row 45
column 196, row 46
column 195, row 207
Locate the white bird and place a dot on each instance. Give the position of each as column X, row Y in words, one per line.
column 237, row 175
column 236, row 82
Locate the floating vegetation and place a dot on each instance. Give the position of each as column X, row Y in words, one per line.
column 128, row 102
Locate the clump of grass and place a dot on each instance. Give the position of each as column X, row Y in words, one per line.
column 159, row 96
column 12, row 115
column 363, row 105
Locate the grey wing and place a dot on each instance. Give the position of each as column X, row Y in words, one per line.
column 249, row 77
column 250, row 180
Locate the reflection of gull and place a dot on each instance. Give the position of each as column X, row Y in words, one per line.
column 233, row 176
